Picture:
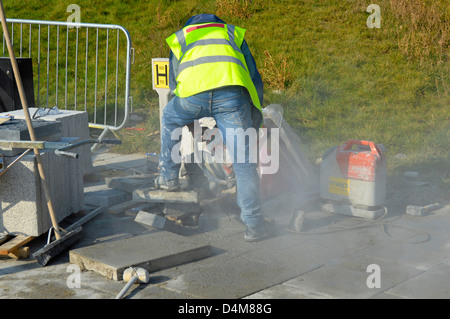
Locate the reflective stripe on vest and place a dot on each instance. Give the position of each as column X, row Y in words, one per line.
column 226, row 59
column 210, row 59
column 184, row 48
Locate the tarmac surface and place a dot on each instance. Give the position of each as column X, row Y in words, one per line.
column 332, row 257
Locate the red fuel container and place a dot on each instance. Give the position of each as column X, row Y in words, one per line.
column 356, row 172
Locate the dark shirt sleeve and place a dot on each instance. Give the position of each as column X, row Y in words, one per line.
column 254, row 73
column 173, row 69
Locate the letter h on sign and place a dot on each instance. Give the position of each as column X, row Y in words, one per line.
column 160, row 76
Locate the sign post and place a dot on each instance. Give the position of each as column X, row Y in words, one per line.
column 160, row 79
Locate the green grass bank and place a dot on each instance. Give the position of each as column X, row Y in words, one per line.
column 336, row 78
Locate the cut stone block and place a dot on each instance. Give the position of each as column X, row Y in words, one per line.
column 156, row 221
column 152, row 251
column 23, row 205
column 156, row 195
column 186, row 213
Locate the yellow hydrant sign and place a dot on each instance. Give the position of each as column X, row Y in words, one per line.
column 160, row 71
column 160, row 80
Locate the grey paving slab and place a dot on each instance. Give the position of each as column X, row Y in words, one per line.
column 437, row 221
column 152, row 251
column 53, row 282
column 234, row 278
column 385, row 295
column 127, row 162
column 283, row 291
column 154, row 291
column 348, row 278
column 416, row 251
column 432, row 284
column 106, row 197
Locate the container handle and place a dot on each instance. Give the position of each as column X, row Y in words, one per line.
column 348, row 145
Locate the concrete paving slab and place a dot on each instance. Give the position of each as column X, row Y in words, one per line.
column 348, row 278
column 432, row 284
column 385, row 295
column 152, row 251
column 283, row 291
column 154, row 291
column 414, row 253
column 100, row 195
column 437, row 221
column 233, row 278
column 56, row 281
column 126, row 162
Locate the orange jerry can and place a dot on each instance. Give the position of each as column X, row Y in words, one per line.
column 355, row 173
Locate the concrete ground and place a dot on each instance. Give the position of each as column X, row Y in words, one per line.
column 334, row 256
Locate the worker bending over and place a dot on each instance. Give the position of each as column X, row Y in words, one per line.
column 213, row 74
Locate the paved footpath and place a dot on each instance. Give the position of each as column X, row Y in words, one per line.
column 334, row 256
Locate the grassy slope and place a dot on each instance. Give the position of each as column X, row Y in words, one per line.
column 336, row 78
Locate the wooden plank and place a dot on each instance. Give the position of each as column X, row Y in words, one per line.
column 15, row 243
column 22, row 252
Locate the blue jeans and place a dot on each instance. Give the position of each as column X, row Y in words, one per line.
column 231, row 108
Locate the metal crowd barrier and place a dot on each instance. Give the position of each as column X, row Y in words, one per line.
column 74, row 68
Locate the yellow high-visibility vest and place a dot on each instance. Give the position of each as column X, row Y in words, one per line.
column 210, row 57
